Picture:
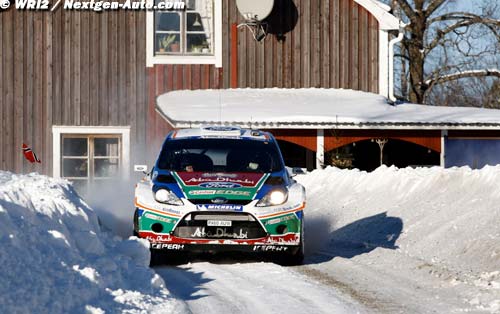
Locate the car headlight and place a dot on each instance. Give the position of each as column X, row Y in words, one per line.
column 167, row 197
column 273, row 198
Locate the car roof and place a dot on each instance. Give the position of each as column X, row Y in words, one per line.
column 222, row 132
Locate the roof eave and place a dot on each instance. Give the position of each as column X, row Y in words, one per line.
column 346, row 125
column 386, row 20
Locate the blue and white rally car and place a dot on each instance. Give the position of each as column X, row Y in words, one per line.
column 221, row 189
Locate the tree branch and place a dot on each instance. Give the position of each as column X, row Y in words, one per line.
column 407, row 9
column 463, row 16
column 433, row 6
column 442, row 33
column 461, row 75
column 464, row 20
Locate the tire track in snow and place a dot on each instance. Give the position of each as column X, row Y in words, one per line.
column 383, row 288
column 345, row 288
column 252, row 288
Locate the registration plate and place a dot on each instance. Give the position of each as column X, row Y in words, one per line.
column 219, row 223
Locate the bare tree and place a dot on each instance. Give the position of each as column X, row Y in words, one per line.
column 442, row 45
column 492, row 97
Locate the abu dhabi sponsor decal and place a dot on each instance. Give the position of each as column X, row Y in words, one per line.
column 219, row 233
column 270, row 248
column 220, row 185
column 221, row 207
column 220, row 180
column 167, row 246
column 219, row 192
column 197, row 178
column 159, row 238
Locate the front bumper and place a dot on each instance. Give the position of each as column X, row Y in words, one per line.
column 288, row 243
column 279, row 232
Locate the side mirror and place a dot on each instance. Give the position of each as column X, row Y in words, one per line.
column 141, row 168
column 292, row 172
column 297, row 171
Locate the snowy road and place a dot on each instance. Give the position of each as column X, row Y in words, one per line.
column 252, row 288
column 327, row 283
column 391, row 241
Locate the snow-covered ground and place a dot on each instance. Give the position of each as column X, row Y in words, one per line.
column 421, row 240
column 416, row 240
column 226, row 285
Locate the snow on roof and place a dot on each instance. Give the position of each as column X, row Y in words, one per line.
column 313, row 108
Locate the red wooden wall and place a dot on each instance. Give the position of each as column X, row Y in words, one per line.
column 82, row 68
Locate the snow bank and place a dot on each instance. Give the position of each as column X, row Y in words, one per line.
column 55, row 259
column 447, row 218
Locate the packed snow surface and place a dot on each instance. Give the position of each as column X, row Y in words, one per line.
column 423, row 240
column 306, row 107
column 55, row 258
column 428, row 239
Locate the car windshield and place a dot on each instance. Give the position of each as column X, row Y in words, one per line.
column 216, row 155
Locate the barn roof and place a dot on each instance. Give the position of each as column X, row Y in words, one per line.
column 313, row 108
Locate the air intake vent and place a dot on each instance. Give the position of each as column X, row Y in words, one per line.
column 216, row 225
column 229, row 202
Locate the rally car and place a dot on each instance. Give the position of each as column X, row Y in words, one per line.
column 221, row 189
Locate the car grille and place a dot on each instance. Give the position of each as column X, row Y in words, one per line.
column 229, row 202
column 200, row 225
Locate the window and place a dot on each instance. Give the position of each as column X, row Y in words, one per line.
column 185, row 32
column 189, row 36
column 90, row 158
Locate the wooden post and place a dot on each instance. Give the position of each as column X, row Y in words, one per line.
column 320, row 149
column 444, row 135
column 381, row 143
column 234, row 55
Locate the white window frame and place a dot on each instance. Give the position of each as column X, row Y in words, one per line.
column 216, row 58
column 57, row 131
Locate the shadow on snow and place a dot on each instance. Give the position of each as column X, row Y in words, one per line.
column 183, row 283
column 356, row 238
column 187, row 285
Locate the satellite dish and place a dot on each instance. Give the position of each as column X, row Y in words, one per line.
column 255, row 10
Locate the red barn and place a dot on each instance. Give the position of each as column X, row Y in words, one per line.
column 80, row 87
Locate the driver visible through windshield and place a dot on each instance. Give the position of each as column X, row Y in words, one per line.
column 220, row 155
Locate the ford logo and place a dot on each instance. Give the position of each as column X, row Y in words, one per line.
column 219, row 200
column 220, row 185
